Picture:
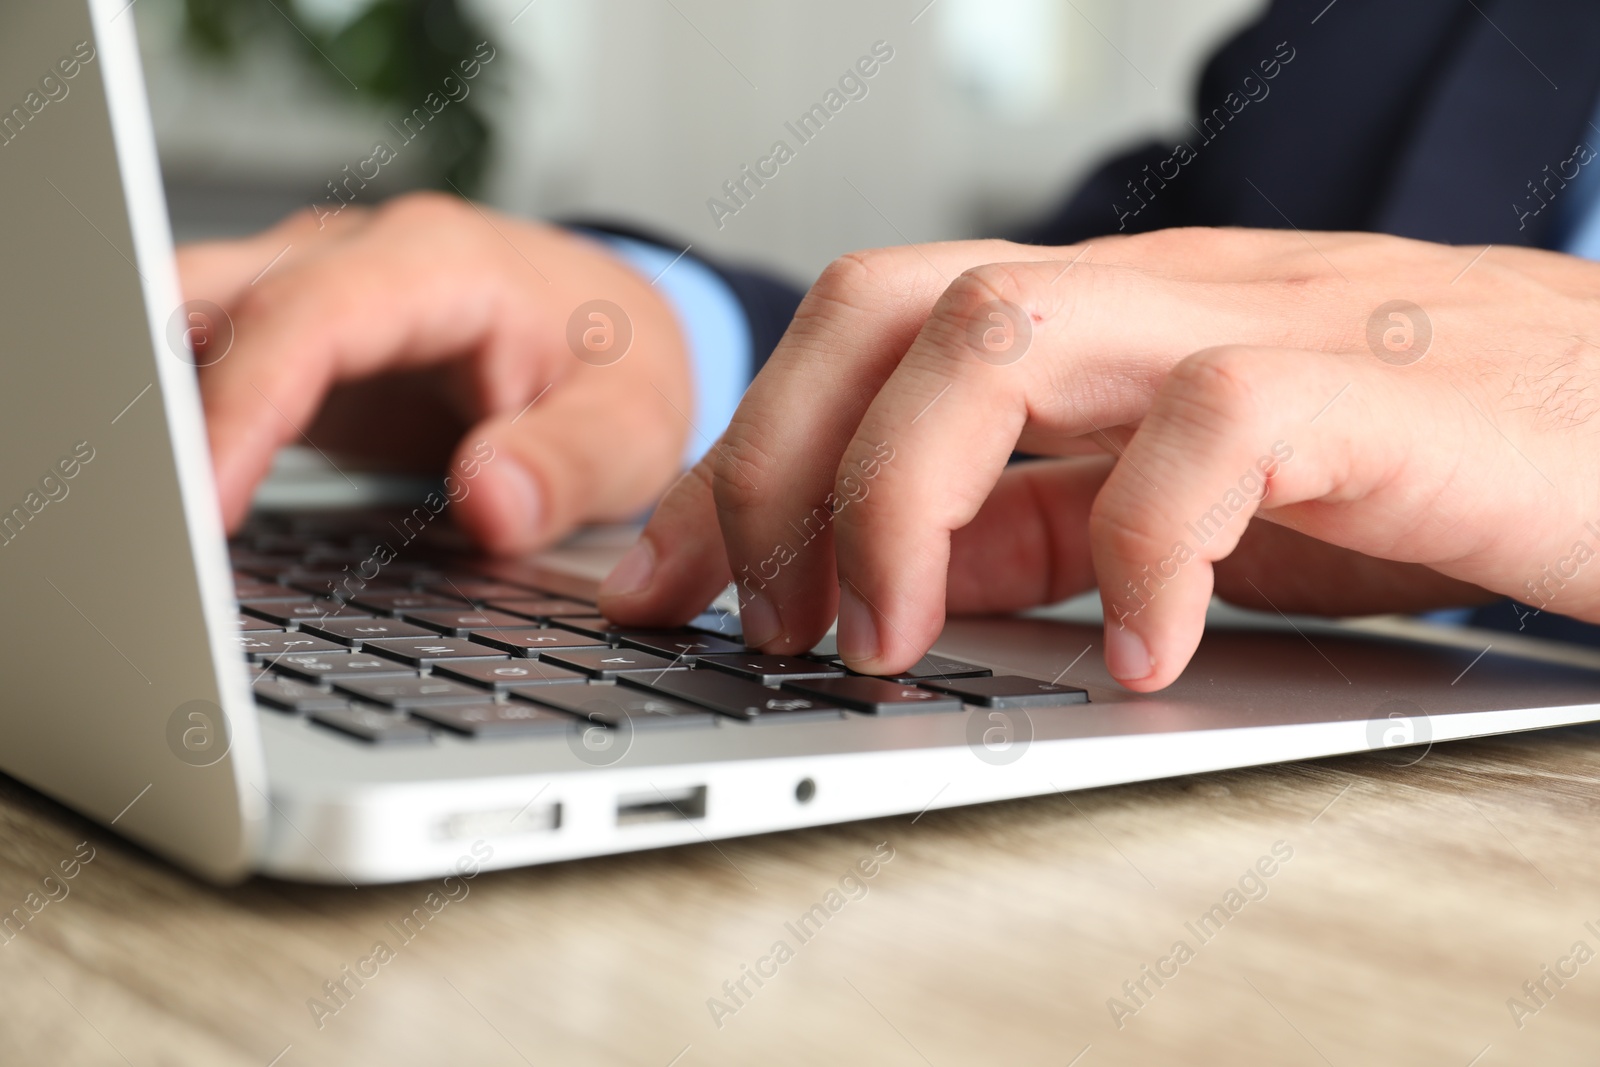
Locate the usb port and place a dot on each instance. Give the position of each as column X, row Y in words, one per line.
column 662, row 805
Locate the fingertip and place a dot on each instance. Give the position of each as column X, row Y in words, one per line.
column 505, row 511
column 682, row 564
column 759, row 620
column 871, row 643
column 233, row 509
column 1128, row 658
column 633, row 574
column 630, row 592
column 859, row 643
column 233, row 477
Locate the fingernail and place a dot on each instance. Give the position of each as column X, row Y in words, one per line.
column 633, row 572
column 759, row 620
column 858, row 632
column 1127, row 658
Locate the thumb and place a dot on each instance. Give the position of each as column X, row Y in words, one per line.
column 583, row 453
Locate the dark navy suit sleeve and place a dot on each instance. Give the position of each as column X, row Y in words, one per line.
column 1412, row 118
column 1292, row 119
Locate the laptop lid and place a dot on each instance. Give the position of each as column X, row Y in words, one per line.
column 124, row 693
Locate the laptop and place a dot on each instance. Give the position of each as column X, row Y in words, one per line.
column 281, row 704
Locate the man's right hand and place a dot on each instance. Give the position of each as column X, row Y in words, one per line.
column 1279, row 421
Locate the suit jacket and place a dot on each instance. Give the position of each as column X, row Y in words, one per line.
column 1433, row 119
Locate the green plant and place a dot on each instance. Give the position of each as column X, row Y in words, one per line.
column 395, row 52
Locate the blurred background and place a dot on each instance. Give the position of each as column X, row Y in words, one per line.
column 638, row 111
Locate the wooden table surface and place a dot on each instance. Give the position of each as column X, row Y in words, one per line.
column 1405, row 908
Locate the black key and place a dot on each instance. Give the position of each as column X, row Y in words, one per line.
column 932, row 667
column 399, row 603
column 770, row 670
column 477, row 590
column 1008, row 691
column 250, row 625
column 498, row 720
column 370, row 724
column 719, row 623
column 357, row 665
column 421, row 651
column 287, row 694
column 622, row 708
column 413, row 573
column 248, row 588
column 732, row 696
column 263, row 566
column 609, row 662
column 410, row 692
column 292, row 613
column 875, row 696
column 268, row 647
column 501, row 674
column 617, row 634
column 591, row 625
column 542, row 608
column 357, row 559
column 534, row 642
column 357, row 632
column 462, row 623
column 251, row 541
column 341, row 584
column 686, row 646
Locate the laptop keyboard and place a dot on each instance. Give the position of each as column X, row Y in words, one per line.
column 432, row 645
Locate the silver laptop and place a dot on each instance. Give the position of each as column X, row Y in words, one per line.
column 210, row 701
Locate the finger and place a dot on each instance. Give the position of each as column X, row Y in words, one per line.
column 1275, row 568
column 678, row 564
column 1029, row 543
column 1234, row 430
column 570, row 458
column 775, row 471
column 1031, row 546
column 1085, row 351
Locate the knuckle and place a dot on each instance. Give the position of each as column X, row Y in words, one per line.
column 316, row 218
column 423, row 208
column 845, row 272
column 1120, row 530
column 1219, row 384
column 270, row 300
column 990, row 311
column 851, row 287
column 738, row 469
column 845, row 281
column 1180, row 239
column 702, row 473
column 983, row 284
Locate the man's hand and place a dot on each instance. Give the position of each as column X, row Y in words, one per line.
column 1403, row 456
column 424, row 330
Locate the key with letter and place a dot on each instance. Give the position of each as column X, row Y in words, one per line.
column 733, row 697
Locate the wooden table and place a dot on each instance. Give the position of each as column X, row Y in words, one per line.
column 1416, row 902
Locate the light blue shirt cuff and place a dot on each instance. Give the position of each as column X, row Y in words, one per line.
column 714, row 325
